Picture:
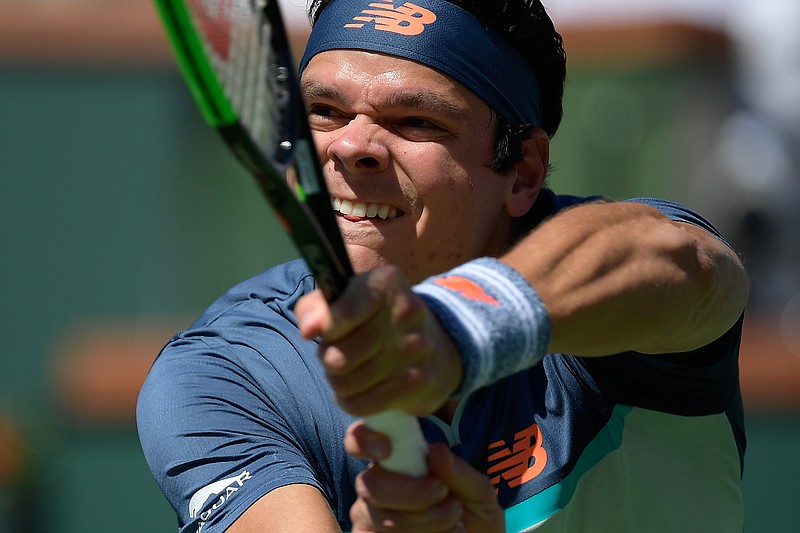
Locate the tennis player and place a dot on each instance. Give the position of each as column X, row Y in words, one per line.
column 573, row 361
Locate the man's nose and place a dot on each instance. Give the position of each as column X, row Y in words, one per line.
column 359, row 146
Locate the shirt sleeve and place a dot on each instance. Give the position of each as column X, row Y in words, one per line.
column 222, row 423
column 678, row 213
column 699, row 382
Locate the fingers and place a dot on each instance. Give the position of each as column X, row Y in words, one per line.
column 453, row 498
column 460, row 478
column 444, row 518
column 365, row 443
column 394, row 502
column 382, row 348
column 466, row 483
column 473, row 489
column 313, row 314
column 365, row 296
column 373, row 341
column 390, row 491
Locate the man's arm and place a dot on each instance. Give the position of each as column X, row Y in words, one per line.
column 622, row 276
column 613, row 277
column 288, row 509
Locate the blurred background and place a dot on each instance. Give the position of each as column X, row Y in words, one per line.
column 122, row 216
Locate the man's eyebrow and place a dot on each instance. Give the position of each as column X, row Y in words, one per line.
column 427, row 101
column 424, row 101
column 313, row 90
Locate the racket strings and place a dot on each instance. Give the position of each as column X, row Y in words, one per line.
column 238, row 38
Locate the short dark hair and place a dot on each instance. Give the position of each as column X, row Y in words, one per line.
column 528, row 27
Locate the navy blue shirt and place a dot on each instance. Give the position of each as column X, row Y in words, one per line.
column 238, row 405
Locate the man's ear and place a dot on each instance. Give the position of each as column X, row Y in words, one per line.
column 529, row 173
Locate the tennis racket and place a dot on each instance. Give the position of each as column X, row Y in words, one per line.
column 236, row 59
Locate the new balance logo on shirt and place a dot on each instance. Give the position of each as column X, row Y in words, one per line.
column 521, row 462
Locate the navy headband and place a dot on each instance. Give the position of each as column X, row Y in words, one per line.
column 442, row 36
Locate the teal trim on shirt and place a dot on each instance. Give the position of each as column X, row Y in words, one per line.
column 551, row 500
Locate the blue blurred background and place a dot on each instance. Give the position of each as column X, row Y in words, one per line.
column 122, row 216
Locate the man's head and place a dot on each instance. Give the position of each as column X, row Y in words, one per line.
column 526, row 25
column 407, row 126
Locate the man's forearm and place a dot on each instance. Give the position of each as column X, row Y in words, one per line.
column 622, row 276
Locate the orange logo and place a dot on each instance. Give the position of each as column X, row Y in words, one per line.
column 466, row 288
column 408, row 19
column 519, row 464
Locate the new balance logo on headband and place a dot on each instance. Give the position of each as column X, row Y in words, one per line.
column 408, row 19
column 438, row 34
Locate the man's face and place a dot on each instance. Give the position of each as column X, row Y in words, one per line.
column 406, row 154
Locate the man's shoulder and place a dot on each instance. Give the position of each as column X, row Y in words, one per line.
column 254, row 316
column 250, row 331
column 275, row 290
column 675, row 211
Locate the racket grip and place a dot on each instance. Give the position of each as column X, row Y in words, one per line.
column 409, row 449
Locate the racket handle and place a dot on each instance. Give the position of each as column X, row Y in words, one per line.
column 409, row 449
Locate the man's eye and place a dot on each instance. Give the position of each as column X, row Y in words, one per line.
column 421, row 123
column 320, row 110
column 324, row 117
column 420, row 129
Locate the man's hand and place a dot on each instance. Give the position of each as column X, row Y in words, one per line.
column 453, row 497
column 382, row 347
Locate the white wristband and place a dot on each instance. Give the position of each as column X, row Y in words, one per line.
column 497, row 321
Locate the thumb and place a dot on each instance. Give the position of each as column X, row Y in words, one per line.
column 313, row 314
column 464, row 482
column 473, row 489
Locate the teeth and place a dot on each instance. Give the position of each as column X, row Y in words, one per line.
column 361, row 209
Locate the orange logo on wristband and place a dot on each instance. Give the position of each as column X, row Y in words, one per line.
column 466, row 288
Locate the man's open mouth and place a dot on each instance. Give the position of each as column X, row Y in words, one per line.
column 364, row 210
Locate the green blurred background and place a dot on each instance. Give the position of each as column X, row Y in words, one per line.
column 123, row 216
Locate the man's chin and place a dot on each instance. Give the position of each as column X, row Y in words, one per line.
column 365, row 258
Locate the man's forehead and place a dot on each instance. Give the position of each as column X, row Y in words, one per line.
column 440, row 35
column 342, row 75
column 362, row 66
